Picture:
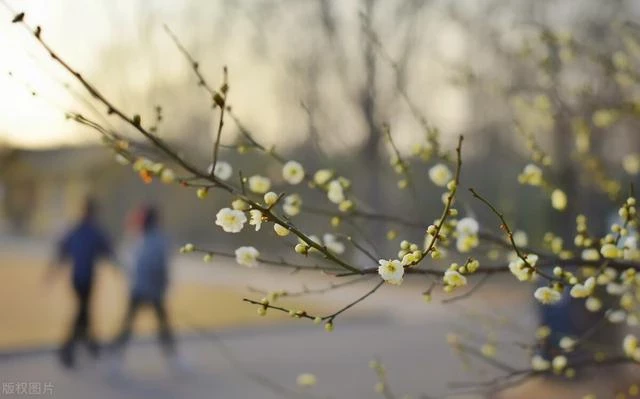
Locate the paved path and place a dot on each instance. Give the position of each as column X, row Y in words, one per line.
column 395, row 325
column 415, row 355
column 406, row 334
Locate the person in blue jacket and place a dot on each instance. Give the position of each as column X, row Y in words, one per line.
column 150, row 280
column 82, row 247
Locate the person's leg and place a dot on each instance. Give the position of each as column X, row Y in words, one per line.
column 167, row 340
column 78, row 326
column 125, row 331
column 165, row 334
column 85, row 331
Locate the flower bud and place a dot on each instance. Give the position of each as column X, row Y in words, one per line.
column 270, row 198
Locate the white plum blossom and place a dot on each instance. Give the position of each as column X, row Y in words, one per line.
column 292, row 172
column 454, row 278
column 593, row 304
column 466, row 243
column 616, row 289
column 559, row 362
column 322, row 176
column 631, row 251
column 259, row 184
column 609, row 251
column 332, row 244
column 306, row 380
column 167, row 176
column 532, row 259
column 270, row 198
column 590, row 254
column 467, row 232
column 630, row 345
column 616, row 316
column 520, row 270
column 335, row 192
column 142, row 163
column 467, row 226
column 583, row 290
column 256, row 218
column 292, row 204
column 222, row 171
column 538, row 363
column 631, row 164
column 520, row 238
column 231, row 220
column 239, row 205
column 411, row 258
column 247, row 256
column 558, row 199
column 391, row 271
column 531, row 175
column 567, row 343
column 440, row 174
column 547, row 296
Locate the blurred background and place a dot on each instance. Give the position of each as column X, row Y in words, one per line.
column 316, row 79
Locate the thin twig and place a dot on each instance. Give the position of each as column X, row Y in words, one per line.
column 507, row 229
column 472, row 291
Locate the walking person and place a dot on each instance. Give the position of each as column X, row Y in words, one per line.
column 81, row 247
column 150, row 280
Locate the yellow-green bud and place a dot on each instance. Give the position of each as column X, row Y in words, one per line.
column 239, row 205
column 302, row 249
column 167, row 176
column 346, row 206
column 202, row 192
column 280, row 230
column 270, row 198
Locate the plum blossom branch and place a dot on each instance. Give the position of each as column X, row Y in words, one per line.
column 269, row 262
column 509, row 233
column 135, row 122
column 470, row 292
column 313, row 291
column 302, row 314
column 357, row 301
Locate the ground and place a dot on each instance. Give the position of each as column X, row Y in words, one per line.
column 234, row 353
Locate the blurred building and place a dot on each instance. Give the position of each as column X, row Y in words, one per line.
column 41, row 192
column 42, row 189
